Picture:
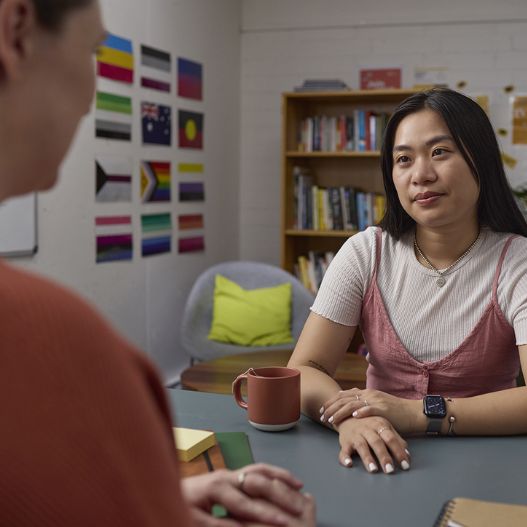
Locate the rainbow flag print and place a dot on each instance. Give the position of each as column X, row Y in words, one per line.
column 190, row 79
column 155, row 181
column 115, row 59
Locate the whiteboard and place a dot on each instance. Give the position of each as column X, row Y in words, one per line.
column 18, row 226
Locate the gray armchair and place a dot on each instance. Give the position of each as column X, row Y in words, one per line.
column 197, row 316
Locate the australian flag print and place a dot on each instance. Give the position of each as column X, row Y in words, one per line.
column 157, row 124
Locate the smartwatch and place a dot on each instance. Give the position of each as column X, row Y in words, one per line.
column 434, row 407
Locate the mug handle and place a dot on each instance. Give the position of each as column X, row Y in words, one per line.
column 237, row 388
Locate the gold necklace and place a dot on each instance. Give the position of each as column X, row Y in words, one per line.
column 441, row 280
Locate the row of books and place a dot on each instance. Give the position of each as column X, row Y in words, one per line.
column 310, row 269
column 361, row 131
column 333, row 208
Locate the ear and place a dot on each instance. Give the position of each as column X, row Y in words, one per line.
column 17, row 27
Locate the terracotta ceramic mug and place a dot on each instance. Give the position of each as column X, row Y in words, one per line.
column 273, row 397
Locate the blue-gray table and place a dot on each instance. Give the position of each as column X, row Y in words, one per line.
column 442, row 468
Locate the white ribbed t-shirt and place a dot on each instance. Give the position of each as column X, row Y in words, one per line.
column 430, row 321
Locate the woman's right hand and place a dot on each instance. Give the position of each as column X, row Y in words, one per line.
column 376, row 442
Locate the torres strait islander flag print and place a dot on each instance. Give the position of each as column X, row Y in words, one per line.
column 114, row 238
column 157, row 233
column 115, row 59
column 190, row 129
column 155, row 181
column 190, row 79
column 113, row 116
column 156, row 69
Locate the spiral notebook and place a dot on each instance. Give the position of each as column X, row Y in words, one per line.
column 464, row 512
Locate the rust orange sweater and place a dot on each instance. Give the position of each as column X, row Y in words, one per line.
column 85, row 428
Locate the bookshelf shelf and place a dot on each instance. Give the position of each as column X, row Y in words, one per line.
column 297, row 154
column 324, row 234
column 325, row 149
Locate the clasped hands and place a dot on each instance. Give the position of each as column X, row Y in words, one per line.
column 256, row 495
column 369, row 423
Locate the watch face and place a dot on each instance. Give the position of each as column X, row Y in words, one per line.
column 434, row 406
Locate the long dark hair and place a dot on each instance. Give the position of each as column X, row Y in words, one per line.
column 51, row 13
column 476, row 140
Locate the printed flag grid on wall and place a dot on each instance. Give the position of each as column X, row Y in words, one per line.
column 156, row 123
column 113, row 179
column 156, row 69
column 157, row 233
column 115, row 59
column 190, row 126
column 190, row 79
column 113, row 116
column 155, row 181
column 113, row 238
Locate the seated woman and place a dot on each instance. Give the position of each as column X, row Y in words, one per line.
column 86, row 430
column 439, row 291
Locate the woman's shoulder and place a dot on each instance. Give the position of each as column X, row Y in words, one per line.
column 41, row 307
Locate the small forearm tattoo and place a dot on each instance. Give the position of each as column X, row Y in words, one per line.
column 318, row 367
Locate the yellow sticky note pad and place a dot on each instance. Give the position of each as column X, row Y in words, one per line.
column 191, row 443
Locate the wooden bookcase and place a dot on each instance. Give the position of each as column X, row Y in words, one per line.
column 353, row 168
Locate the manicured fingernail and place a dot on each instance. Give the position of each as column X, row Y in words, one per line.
column 322, row 418
column 407, row 451
column 330, row 420
column 405, row 465
column 321, row 411
column 388, row 468
column 355, row 413
column 347, row 461
column 372, row 467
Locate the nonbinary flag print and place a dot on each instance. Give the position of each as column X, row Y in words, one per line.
column 115, row 59
column 156, row 69
column 190, row 79
column 113, row 116
column 192, row 191
column 190, row 129
column 113, row 179
column 189, row 222
column 157, row 233
column 190, row 168
column 155, row 181
column 157, row 124
column 191, row 245
column 113, row 238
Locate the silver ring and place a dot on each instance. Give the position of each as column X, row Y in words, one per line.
column 365, row 402
column 357, row 396
column 382, row 429
column 241, row 479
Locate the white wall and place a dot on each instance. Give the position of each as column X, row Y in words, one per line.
column 481, row 42
column 144, row 298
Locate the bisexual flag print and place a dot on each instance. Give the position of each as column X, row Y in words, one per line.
column 190, row 79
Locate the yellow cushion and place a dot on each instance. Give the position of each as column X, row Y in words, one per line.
column 255, row 317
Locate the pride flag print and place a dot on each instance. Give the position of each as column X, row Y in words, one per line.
column 115, row 59
column 157, row 233
column 155, row 181
column 113, row 238
column 190, row 79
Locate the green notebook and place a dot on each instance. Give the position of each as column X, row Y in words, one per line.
column 235, row 448
column 237, row 453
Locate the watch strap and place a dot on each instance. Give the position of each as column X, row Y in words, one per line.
column 434, row 425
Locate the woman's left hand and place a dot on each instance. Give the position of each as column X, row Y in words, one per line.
column 402, row 413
